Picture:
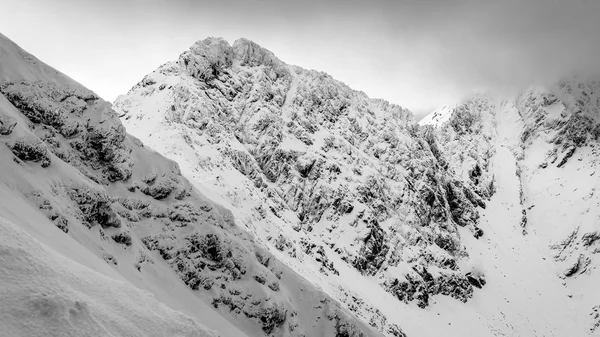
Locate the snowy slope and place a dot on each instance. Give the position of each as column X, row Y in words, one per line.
column 34, row 199
column 45, row 293
column 548, row 138
column 87, row 192
column 560, row 152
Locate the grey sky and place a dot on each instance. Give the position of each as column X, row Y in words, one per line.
column 417, row 53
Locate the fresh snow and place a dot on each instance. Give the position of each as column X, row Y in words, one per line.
column 44, row 293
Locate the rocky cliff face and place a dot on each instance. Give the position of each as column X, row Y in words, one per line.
column 66, row 153
column 321, row 172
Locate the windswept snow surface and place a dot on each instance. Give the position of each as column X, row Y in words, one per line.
column 44, row 293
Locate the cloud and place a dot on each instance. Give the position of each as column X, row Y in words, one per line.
column 506, row 44
column 418, row 53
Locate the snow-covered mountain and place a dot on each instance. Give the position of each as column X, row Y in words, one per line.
column 417, row 226
column 339, row 186
column 292, row 205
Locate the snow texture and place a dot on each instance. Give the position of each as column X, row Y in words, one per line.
column 47, row 294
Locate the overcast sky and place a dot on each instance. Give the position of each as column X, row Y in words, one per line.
column 418, row 53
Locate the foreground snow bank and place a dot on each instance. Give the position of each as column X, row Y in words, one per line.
column 43, row 293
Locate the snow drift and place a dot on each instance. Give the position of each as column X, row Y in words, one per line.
column 44, row 293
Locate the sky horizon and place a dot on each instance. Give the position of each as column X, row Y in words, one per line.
column 418, row 54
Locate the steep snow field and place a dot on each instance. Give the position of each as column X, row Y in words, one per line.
column 557, row 152
column 543, row 220
column 44, row 293
column 63, row 280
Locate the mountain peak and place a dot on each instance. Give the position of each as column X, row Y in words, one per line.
column 206, row 58
column 251, row 54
